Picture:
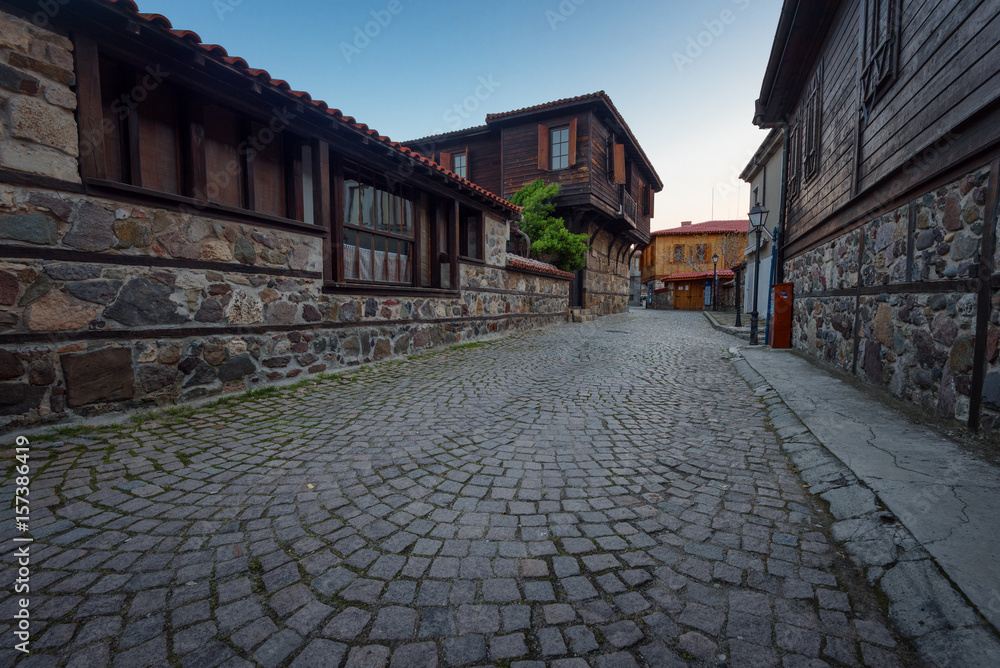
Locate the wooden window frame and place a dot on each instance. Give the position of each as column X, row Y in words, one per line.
column 812, row 130
column 189, row 137
column 880, row 37
column 478, row 230
column 464, row 154
column 369, row 178
column 545, row 146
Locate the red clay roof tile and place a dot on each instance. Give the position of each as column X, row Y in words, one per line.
column 221, row 55
column 518, row 262
column 712, row 226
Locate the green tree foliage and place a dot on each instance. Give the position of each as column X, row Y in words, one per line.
column 550, row 240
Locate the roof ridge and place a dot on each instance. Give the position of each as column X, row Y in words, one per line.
column 221, row 56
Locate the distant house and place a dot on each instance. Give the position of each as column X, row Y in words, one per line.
column 892, row 174
column 680, row 258
column 175, row 224
column 607, row 182
column 763, row 173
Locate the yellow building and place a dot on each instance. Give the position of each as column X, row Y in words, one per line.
column 677, row 265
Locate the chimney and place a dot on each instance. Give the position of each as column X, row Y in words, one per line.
column 685, row 223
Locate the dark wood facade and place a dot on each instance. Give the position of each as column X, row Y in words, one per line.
column 606, row 191
column 893, row 117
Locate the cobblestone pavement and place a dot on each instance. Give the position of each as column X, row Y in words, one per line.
column 605, row 494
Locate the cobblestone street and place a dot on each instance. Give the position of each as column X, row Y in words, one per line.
column 604, row 494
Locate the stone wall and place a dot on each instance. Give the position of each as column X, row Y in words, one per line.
column 606, row 286
column 38, row 132
column 663, row 299
column 876, row 301
column 225, row 306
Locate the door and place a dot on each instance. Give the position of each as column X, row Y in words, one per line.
column 689, row 296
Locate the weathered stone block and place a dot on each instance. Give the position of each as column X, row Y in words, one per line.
column 18, row 81
column 36, row 159
column 32, row 119
column 143, row 303
column 93, row 229
column 56, row 311
column 33, row 228
column 9, row 287
column 18, row 398
column 236, row 368
column 244, row 251
column 47, row 70
column 153, row 377
column 104, row 375
column 38, row 289
column 244, row 309
column 98, row 292
column 41, row 373
column 10, row 366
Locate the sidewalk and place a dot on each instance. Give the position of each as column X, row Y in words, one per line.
column 948, row 500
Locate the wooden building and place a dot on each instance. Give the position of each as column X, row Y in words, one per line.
column 175, row 223
column 679, row 261
column 607, row 183
column 893, row 123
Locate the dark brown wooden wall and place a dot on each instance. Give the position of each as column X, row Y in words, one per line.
column 520, row 157
column 948, row 71
column 831, row 187
column 484, row 157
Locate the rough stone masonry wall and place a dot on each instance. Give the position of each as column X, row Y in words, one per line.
column 917, row 344
column 107, row 305
column 607, row 283
column 38, row 132
column 227, row 305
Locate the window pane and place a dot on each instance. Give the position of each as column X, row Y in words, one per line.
column 352, row 199
column 365, row 256
column 367, row 205
column 350, row 254
column 378, row 260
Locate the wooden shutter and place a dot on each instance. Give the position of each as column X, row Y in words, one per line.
column 445, row 160
column 159, row 142
column 572, row 142
column 619, row 161
column 651, row 195
column 468, row 165
column 543, row 148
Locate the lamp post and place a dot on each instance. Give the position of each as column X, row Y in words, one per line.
column 758, row 218
column 715, row 282
column 738, row 269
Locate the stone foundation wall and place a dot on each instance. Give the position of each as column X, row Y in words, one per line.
column 876, row 301
column 606, row 288
column 106, row 305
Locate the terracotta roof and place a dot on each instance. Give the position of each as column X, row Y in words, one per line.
column 447, row 135
column 220, row 55
column 518, row 262
column 710, row 227
column 723, row 273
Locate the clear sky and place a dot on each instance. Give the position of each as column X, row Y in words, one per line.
column 683, row 74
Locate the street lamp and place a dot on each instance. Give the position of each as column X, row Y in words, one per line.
column 715, row 282
column 758, row 218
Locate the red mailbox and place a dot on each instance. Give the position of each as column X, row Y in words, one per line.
column 781, row 315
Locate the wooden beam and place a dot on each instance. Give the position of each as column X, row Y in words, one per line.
column 986, row 268
column 453, row 246
column 90, row 110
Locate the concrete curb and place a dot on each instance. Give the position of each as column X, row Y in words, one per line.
column 924, row 605
column 741, row 332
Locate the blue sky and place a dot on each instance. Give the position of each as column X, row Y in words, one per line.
column 683, row 74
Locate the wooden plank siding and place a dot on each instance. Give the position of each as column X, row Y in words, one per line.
column 948, row 70
column 953, row 73
column 831, row 187
column 483, row 159
column 520, row 157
